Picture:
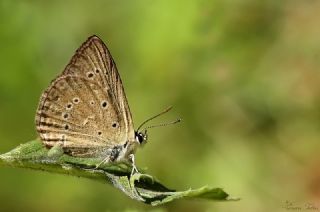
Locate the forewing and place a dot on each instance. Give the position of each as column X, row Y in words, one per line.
column 93, row 57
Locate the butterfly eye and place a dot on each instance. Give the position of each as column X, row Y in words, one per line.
column 141, row 138
column 114, row 125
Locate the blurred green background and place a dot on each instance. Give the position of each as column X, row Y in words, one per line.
column 243, row 75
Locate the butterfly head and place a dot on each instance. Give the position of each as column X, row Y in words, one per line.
column 141, row 137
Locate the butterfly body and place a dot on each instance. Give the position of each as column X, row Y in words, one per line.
column 85, row 109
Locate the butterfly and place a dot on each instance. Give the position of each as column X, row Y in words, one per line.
column 85, row 109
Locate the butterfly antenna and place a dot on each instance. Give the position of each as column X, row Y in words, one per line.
column 149, row 119
column 163, row 125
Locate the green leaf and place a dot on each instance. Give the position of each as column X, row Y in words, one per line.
column 141, row 187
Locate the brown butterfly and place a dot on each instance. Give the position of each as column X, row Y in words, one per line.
column 85, row 109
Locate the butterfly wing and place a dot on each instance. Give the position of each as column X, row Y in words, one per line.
column 86, row 107
column 94, row 56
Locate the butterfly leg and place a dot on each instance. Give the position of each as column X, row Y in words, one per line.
column 102, row 162
column 134, row 168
